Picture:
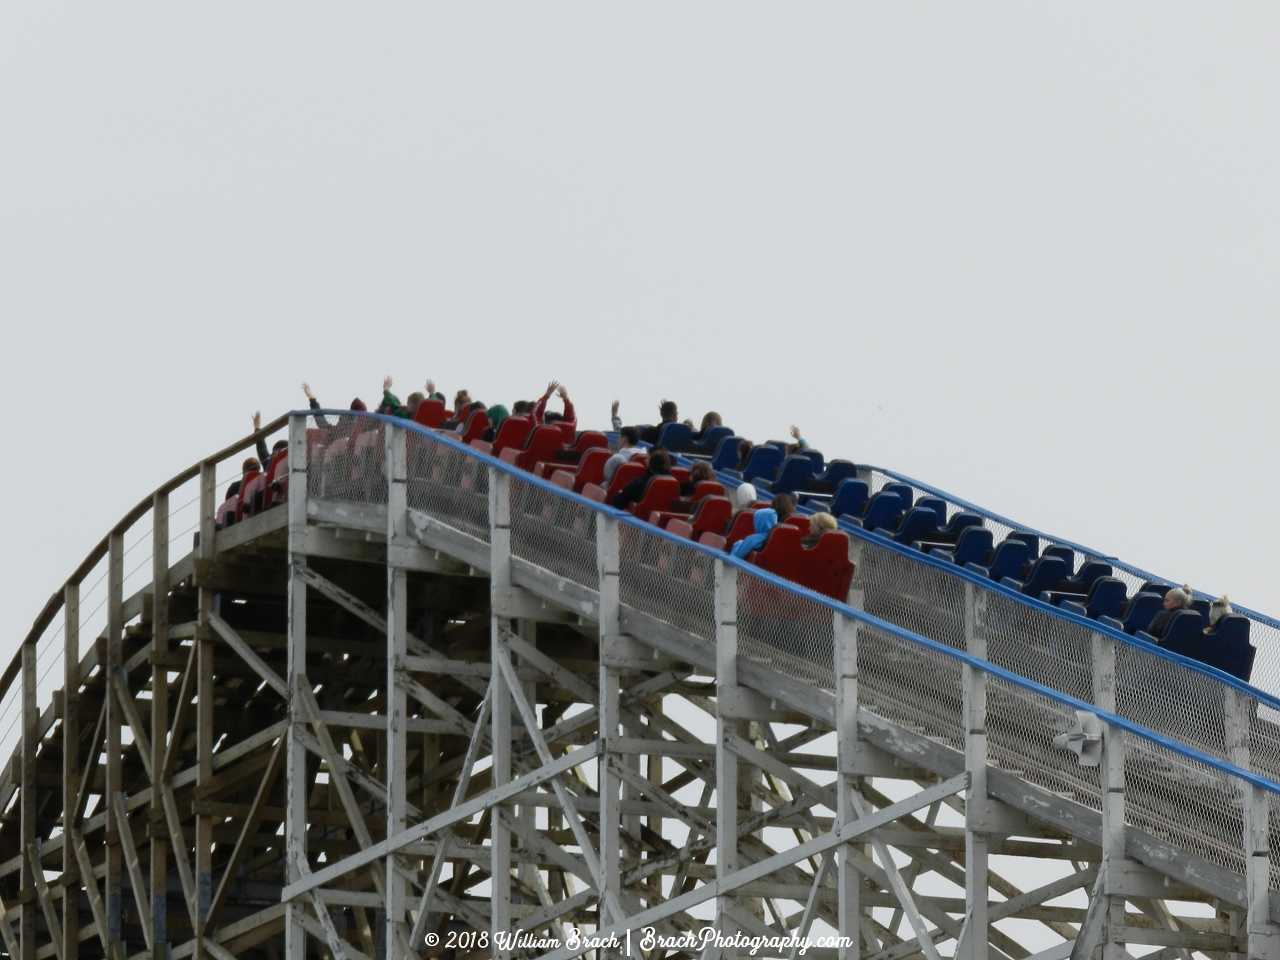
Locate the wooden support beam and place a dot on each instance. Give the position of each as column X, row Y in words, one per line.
column 70, row 764
column 252, row 820
column 27, row 800
column 134, row 867
column 113, row 752
column 46, row 901
column 159, row 860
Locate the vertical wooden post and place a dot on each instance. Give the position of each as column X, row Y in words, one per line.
column 608, row 570
column 397, row 706
column 976, row 839
column 115, row 716
column 295, row 946
column 848, row 879
column 1263, row 936
column 204, row 703
column 1111, row 871
column 499, row 583
column 27, row 799
column 159, row 719
column 70, row 763
column 726, row 614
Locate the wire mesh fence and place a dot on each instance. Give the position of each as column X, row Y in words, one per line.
column 1264, row 632
column 1154, row 690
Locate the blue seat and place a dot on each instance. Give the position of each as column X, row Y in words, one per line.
column 851, row 497
column 1046, row 574
column 904, row 491
column 1183, row 636
column 960, row 523
column 710, row 443
column 795, row 474
column 1009, row 557
column 676, row 437
column 763, row 462
column 1227, row 647
column 836, row 472
column 1066, row 554
column 938, row 506
column 972, row 546
column 918, row 524
column 1031, row 540
column 1090, row 572
column 726, row 456
column 1142, row 609
column 1201, row 607
column 814, row 455
column 1106, row 596
column 883, row 511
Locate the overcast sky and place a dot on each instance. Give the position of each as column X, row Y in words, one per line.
column 1025, row 253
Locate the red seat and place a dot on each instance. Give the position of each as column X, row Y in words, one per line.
column 658, row 496
column 744, row 525
column 277, row 468
column 680, row 529
column 593, row 491
column 252, row 494
column 624, row 475
column 569, row 431
column 226, row 514
column 477, row 424
column 512, row 432
column 542, row 445
column 713, row 540
column 589, row 440
column 799, row 522
column 829, row 570
column 430, row 413
column 707, row 488
column 509, row 455
column 591, row 468
column 250, row 482
column 562, row 478
column 484, row 446
column 825, row 568
column 712, row 516
column 681, row 474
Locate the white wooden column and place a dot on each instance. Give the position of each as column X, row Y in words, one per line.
column 977, row 814
column 115, row 716
column 70, row 763
column 205, row 735
column 1263, row 936
column 28, row 801
column 726, row 614
column 159, row 867
column 295, row 946
column 609, row 571
column 848, row 879
column 1111, row 871
column 397, row 706
column 500, row 713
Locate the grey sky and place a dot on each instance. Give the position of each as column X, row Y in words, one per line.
column 1025, row 253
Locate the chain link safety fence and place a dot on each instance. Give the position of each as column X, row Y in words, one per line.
column 1172, row 797
column 1154, row 690
column 1264, row 632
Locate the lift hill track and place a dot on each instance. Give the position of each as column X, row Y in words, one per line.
column 433, row 694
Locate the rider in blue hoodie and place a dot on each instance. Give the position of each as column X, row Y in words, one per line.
column 765, row 520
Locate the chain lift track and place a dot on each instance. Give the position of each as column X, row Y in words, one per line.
column 435, row 708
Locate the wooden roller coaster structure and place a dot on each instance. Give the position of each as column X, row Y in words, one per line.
column 349, row 729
